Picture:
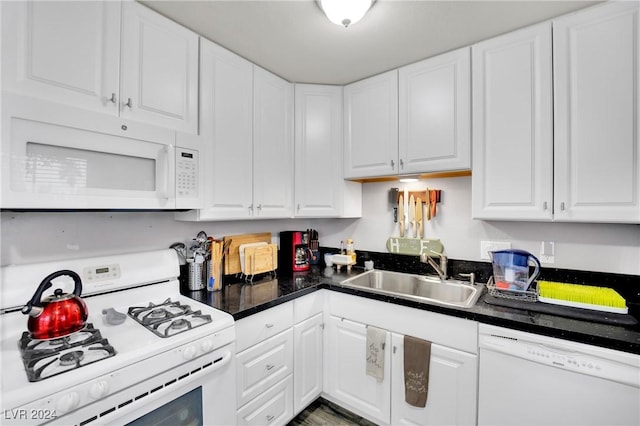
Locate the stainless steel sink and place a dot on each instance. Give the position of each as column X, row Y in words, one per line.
column 420, row 288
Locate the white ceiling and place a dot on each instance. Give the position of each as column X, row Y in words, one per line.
column 293, row 39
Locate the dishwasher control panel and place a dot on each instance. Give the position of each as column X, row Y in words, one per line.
column 566, row 355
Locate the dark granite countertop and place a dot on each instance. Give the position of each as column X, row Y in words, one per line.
column 245, row 299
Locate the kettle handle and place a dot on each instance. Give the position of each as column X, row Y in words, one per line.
column 536, row 271
column 36, row 300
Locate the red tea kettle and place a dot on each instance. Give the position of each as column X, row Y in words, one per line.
column 59, row 314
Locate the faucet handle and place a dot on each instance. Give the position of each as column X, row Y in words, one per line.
column 471, row 276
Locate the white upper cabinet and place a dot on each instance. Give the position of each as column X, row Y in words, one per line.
column 320, row 190
column 512, row 126
column 226, row 104
column 272, row 145
column 416, row 119
column 107, row 56
column 67, row 52
column 247, row 130
column 435, row 114
column 596, row 63
column 159, row 70
column 567, row 153
column 371, row 126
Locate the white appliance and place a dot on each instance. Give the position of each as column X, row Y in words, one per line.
column 527, row 379
column 58, row 157
column 128, row 372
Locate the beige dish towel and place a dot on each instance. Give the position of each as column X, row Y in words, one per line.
column 375, row 352
column 417, row 354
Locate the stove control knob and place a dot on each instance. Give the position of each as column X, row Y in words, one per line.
column 99, row 389
column 68, row 402
column 207, row 346
column 190, row 352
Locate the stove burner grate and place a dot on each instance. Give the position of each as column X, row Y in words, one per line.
column 47, row 358
column 168, row 318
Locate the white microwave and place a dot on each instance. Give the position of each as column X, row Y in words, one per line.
column 60, row 157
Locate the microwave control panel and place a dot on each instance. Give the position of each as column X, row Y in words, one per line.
column 186, row 173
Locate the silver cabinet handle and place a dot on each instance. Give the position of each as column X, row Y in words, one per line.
column 270, row 367
column 392, row 164
column 395, row 349
column 298, row 206
column 129, row 103
column 544, row 205
column 113, row 98
column 259, row 207
column 401, row 164
column 268, row 325
column 562, row 206
column 250, row 208
column 270, row 417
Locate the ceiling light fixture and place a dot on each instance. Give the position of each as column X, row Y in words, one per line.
column 345, row 12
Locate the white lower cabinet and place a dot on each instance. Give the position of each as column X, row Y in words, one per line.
column 347, row 381
column 451, row 394
column 264, row 367
column 307, row 355
column 452, row 385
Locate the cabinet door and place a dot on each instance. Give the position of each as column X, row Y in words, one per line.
column 159, row 70
column 272, row 145
column 226, row 102
column 512, row 126
column 451, row 392
column 597, row 100
column 66, row 52
column 318, row 150
column 371, row 126
column 346, row 371
column 435, row 114
column 307, row 358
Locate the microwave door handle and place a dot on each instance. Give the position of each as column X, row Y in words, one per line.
column 169, row 174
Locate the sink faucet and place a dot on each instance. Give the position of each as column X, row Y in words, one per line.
column 441, row 269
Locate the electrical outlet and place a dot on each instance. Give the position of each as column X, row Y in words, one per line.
column 487, row 246
column 547, row 252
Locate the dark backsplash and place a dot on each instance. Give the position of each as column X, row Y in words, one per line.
column 627, row 285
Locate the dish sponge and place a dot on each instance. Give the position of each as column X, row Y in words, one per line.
column 582, row 296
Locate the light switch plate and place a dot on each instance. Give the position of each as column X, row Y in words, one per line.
column 487, row 246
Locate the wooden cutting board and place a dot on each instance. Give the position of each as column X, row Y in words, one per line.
column 232, row 257
column 261, row 259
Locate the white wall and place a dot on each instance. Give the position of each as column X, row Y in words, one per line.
column 36, row 237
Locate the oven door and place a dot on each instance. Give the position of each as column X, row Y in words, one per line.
column 57, row 157
column 199, row 392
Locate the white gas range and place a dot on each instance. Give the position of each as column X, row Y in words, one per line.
column 147, row 354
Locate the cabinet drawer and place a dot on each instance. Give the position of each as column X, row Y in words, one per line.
column 272, row 408
column 264, row 364
column 308, row 306
column 261, row 326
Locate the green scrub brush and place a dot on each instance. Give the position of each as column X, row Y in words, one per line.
column 582, row 296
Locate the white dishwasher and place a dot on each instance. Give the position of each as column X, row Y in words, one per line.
column 528, row 379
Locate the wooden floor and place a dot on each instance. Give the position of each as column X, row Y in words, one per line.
column 325, row 413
